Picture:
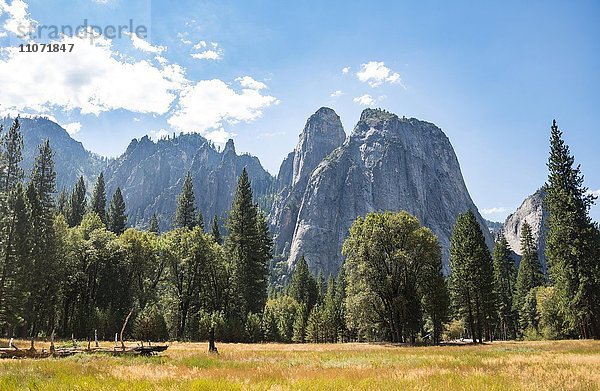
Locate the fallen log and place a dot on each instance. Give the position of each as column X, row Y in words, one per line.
column 14, row 352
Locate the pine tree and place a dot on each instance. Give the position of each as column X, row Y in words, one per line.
column 264, row 247
column 471, row 278
column 303, row 286
column 571, row 251
column 11, row 155
column 11, row 175
column 153, row 224
column 216, row 233
column 185, row 215
column 117, row 217
column 14, row 271
column 200, row 221
column 98, row 200
column 504, row 282
column 76, row 204
column 246, row 250
column 43, row 262
column 530, row 275
column 43, row 175
column 62, row 203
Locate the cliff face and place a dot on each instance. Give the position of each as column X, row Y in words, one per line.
column 387, row 163
column 531, row 210
column 322, row 133
column 151, row 175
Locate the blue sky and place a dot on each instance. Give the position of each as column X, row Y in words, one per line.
column 492, row 75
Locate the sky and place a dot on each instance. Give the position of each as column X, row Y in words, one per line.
column 491, row 75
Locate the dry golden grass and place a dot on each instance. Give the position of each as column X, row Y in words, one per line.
column 547, row 365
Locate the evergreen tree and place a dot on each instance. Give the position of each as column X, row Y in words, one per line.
column 98, row 200
column 62, row 203
column 185, row 215
column 264, row 247
column 246, row 249
column 76, row 204
column 529, row 277
column 153, row 224
column 303, row 286
column 471, row 278
column 571, row 249
column 11, row 215
column 11, row 155
column 15, row 254
column 321, row 286
column 43, row 261
column 504, row 283
column 43, row 176
column 216, row 233
column 117, row 217
column 200, row 221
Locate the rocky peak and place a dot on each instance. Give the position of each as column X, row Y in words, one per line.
column 322, row 133
column 388, row 163
column 151, row 174
column 229, row 147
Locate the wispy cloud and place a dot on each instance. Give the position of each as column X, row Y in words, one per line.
column 336, row 94
column 158, row 134
column 72, row 128
column 145, row 46
column 495, row 210
column 376, row 73
column 208, row 51
column 345, row 70
column 364, row 100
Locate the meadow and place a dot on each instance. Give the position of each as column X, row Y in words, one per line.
column 544, row 365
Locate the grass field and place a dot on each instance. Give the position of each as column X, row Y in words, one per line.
column 549, row 365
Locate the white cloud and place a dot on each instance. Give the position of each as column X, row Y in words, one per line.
column 364, row 100
column 158, row 134
column 200, row 45
column 90, row 79
column 72, row 128
column 18, row 21
column 213, row 53
column 248, row 82
column 183, row 37
column 495, row 210
column 136, row 119
column 376, row 73
column 207, row 106
column 219, row 136
column 145, row 46
column 207, row 55
column 336, row 94
column 345, row 70
column 267, row 135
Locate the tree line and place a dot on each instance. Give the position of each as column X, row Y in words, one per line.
column 71, row 267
